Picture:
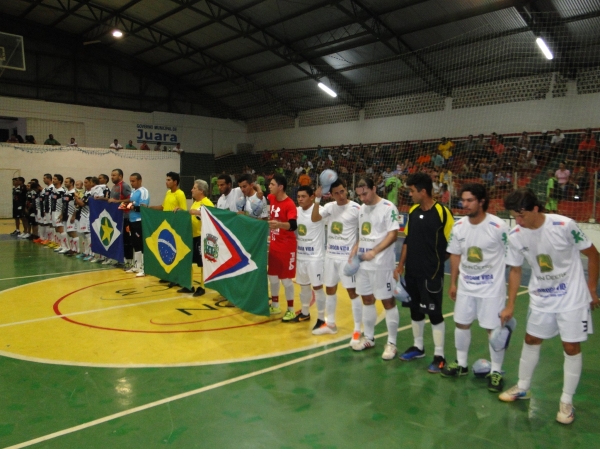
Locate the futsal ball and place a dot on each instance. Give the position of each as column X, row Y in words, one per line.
column 256, row 205
column 327, row 178
column 351, row 267
column 167, row 247
column 240, row 203
column 482, row 368
column 400, row 292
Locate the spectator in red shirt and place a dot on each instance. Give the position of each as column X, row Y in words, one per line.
column 587, row 147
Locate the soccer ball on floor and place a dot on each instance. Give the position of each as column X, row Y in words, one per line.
column 482, row 368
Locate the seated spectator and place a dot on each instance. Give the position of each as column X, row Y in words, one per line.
column 587, row 147
column 436, row 187
column 493, row 140
column 499, row 147
column 177, row 149
column 581, row 181
column 557, row 141
column 51, row 140
column 30, row 139
column 571, row 158
column 438, row 161
column 444, row 195
column 157, row 146
column 12, row 139
column 524, row 141
column 487, row 177
column 445, row 177
column 72, row 143
column 423, row 159
column 144, row 146
column 502, row 182
column 469, row 146
column 388, row 173
column 130, row 146
column 116, row 145
column 445, row 148
column 562, row 175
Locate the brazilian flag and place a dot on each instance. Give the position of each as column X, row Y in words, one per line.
column 168, row 246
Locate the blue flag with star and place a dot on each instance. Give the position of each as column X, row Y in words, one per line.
column 106, row 224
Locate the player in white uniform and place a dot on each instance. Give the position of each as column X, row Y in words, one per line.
column 341, row 217
column 56, row 213
column 310, row 237
column 378, row 231
column 253, row 203
column 559, row 300
column 229, row 197
column 69, row 218
column 477, row 246
column 83, row 217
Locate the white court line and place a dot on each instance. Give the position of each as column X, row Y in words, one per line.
column 52, row 274
column 190, row 393
column 65, row 315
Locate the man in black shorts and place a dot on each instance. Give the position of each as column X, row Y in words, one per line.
column 19, row 198
column 423, row 257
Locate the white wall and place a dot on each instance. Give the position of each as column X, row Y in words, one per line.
column 574, row 111
column 79, row 164
column 196, row 134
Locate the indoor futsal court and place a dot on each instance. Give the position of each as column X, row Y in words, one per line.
column 92, row 357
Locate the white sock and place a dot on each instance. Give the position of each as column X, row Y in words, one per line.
column 288, row 287
column 530, row 355
column 357, row 309
column 305, row 297
column 88, row 244
column 43, row 232
column 418, row 328
column 330, row 305
column 50, row 234
column 369, row 320
column 462, row 341
column 497, row 359
column 321, row 301
column 392, row 320
column 75, row 244
column 439, row 334
column 64, row 240
column 572, row 373
column 274, row 283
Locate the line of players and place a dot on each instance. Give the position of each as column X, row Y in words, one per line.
column 479, row 246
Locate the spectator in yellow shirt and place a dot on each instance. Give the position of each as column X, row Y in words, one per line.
column 445, row 148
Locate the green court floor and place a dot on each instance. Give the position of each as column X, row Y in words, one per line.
column 329, row 397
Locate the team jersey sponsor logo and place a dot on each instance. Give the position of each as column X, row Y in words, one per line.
column 545, row 263
column 365, row 228
column 578, row 236
column 474, row 254
column 337, row 227
column 558, row 223
column 302, row 229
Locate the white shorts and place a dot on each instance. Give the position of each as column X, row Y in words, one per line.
column 485, row 310
column 573, row 326
column 83, row 225
column 378, row 283
column 309, row 272
column 71, row 227
column 46, row 219
column 334, row 273
column 56, row 222
column 38, row 217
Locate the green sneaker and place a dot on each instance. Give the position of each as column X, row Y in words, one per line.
column 495, row 382
column 274, row 310
column 289, row 316
column 454, row 370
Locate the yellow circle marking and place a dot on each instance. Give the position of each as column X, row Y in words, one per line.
column 108, row 318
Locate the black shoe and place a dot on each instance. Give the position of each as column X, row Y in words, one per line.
column 15, row 232
column 162, row 281
column 454, row 370
column 495, row 382
column 199, row 291
column 318, row 324
column 185, row 290
column 437, row 365
column 300, row 317
column 172, row 284
column 118, row 265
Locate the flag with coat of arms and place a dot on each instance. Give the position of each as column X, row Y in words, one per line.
column 234, row 255
column 168, row 245
column 106, row 223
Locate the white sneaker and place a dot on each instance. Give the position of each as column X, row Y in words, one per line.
column 363, row 343
column 63, row 251
column 106, row 262
column 355, row 338
column 94, row 260
column 58, row 249
column 325, row 329
column 23, row 236
column 566, row 413
column 514, row 394
column 132, row 269
column 140, row 274
column 389, row 351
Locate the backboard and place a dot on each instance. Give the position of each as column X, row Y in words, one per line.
column 12, row 52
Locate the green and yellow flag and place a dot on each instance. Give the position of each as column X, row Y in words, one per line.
column 168, row 246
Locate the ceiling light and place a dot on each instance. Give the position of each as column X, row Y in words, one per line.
column 327, row 90
column 117, row 33
column 547, row 53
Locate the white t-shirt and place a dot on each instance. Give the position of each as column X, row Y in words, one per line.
column 557, row 282
column 228, row 202
column 482, row 248
column 374, row 223
column 342, row 228
column 310, row 236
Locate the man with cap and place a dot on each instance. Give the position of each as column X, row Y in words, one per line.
column 559, row 299
column 477, row 245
